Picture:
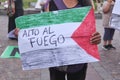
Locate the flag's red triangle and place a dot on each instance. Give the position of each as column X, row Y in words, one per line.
column 83, row 33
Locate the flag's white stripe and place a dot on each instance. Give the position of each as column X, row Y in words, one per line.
column 65, row 29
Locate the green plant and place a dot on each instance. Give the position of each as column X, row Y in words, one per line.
column 25, row 2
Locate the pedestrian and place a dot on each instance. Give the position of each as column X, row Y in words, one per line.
column 15, row 9
column 77, row 71
column 39, row 4
column 99, row 5
column 108, row 31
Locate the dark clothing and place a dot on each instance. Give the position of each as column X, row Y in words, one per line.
column 108, row 34
column 60, row 6
column 11, row 23
column 18, row 12
column 53, row 7
column 73, row 72
column 18, row 4
column 58, row 75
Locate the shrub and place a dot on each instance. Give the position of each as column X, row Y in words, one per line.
column 25, row 2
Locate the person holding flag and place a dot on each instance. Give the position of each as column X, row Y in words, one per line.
column 77, row 71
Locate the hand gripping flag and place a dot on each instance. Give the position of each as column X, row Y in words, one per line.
column 57, row 38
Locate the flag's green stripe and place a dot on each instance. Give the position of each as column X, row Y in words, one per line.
column 49, row 18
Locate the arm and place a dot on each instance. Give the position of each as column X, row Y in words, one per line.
column 11, row 7
column 107, row 6
column 47, row 8
column 96, row 38
column 16, row 31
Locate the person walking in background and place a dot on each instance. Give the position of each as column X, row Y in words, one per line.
column 15, row 9
column 77, row 71
column 108, row 32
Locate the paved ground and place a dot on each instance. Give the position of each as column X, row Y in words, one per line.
column 107, row 69
column 110, row 60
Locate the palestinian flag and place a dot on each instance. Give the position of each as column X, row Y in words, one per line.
column 57, row 38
